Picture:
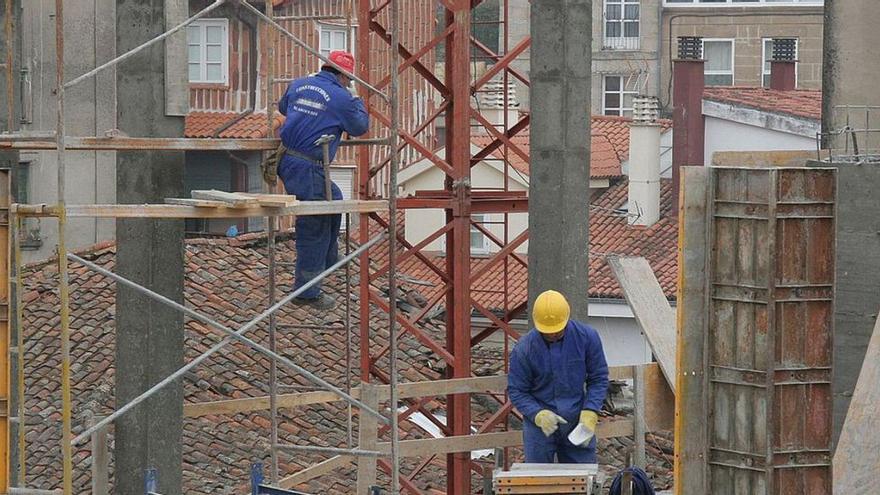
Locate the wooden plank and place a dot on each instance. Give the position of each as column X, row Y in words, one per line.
column 467, row 443
column 273, row 200
column 639, row 416
column 122, row 143
column 692, row 308
column 198, row 203
column 233, row 200
column 100, row 462
column 857, row 459
column 659, row 400
column 320, row 469
column 367, row 438
column 181, row 211
column 650, row 307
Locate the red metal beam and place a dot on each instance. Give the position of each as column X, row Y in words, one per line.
column 510, row 315
column 440, row 109
column 503, row 63
column 486, row 232
column 494, row 145
column 498, row 134
column 500, row 255
column 412, row 141
column 414, row 251
column 421, row 69
column 409, row 327
column 417, row 55
column 488, row 51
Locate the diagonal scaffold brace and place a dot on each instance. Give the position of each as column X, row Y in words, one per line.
column 230, row 336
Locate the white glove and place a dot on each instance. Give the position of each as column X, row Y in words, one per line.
column 352, row 88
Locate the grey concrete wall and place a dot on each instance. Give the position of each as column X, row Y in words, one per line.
column 851, row 60
column 559, row 192
column 857, row 297
column 89, row 35
column 150, row 252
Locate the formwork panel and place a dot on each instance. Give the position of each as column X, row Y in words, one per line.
column 771, row 276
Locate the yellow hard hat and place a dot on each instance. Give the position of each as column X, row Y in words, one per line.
column 551, row 312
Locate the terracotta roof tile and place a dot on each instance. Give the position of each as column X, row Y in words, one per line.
column 225, row 280
column 799, row 102
column 206, row 124
column 617, row 131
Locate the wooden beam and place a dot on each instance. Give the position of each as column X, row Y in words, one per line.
column 650, row 307
column 857, row 459
column 690, row 404
column 181, row 211
column 312, row 472
column 141, row 144
column 639, row 425
column 367, row 439
column 658, row 414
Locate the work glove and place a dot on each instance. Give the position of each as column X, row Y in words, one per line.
column 589, row 419
column 548, row 421
column 352, row 88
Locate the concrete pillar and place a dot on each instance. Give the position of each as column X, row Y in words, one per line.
column 559, row 192
column 850, row 62
column 149, row 343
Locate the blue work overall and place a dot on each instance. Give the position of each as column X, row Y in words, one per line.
column 553, row 375
column 315, row 106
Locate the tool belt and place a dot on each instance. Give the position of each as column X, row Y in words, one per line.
column 269, row 165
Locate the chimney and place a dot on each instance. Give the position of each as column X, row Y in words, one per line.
column 490, row 103
column 783, row 65
column 687, row 114
column 644, row 162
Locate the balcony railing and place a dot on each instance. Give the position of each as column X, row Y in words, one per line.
column 620, row 43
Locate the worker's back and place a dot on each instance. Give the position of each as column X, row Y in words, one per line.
column 317, row 105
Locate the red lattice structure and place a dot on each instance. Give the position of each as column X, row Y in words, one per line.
column 454, row 88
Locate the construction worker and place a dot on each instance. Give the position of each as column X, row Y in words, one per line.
column 549, row 368
column 317, row 106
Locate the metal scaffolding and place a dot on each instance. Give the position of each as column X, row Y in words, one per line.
column 455, row 90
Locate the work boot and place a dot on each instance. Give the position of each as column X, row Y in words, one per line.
column 322, row 302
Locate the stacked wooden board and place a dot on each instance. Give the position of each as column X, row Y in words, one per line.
column 548, row 478
column 217, row 199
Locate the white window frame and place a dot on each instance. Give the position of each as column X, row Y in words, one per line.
column 350, row 41
column 484, row 218
column 621, row 42
column 740, row 4
column 622, row 92
column 732, row 71
column 767, row 56
column 224, row 62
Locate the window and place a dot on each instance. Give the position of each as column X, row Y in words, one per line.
column 334, row 38
column 208, row 51
column 767, row 56
column 719, row 62
column 617, row 95
column 479, row 241
column 622, row 24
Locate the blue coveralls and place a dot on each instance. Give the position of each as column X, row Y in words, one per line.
column 546, row 375
column 314, row 106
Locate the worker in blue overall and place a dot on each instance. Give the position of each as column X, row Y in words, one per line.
column 558, row 379
column 317, row 106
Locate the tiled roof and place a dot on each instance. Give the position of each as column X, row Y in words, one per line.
column 799, row 102
column 225, row 280
column 617, row 131
column 205, row 124
column 610, row 234
column 604, row 159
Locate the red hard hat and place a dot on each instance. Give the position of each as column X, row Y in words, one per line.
column 343, row 59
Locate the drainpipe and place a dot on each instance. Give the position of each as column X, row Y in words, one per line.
column 687, row 115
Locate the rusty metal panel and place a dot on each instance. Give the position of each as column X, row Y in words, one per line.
column 769, row 339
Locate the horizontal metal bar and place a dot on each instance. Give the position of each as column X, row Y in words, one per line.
column 308, row 17
column 232, row 335
column 146, row 45
column 330, row 450
column 90, row 143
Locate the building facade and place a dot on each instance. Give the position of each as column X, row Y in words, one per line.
column 737, row 38
column 634, row 44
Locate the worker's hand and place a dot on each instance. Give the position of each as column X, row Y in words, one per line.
column 352, row 88
column 548, row 421
column 589, row 419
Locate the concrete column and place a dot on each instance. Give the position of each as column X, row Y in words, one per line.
column 850, row 62
column 149, row 343
column 559, row 192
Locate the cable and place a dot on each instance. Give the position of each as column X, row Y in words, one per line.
column 641, row 484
